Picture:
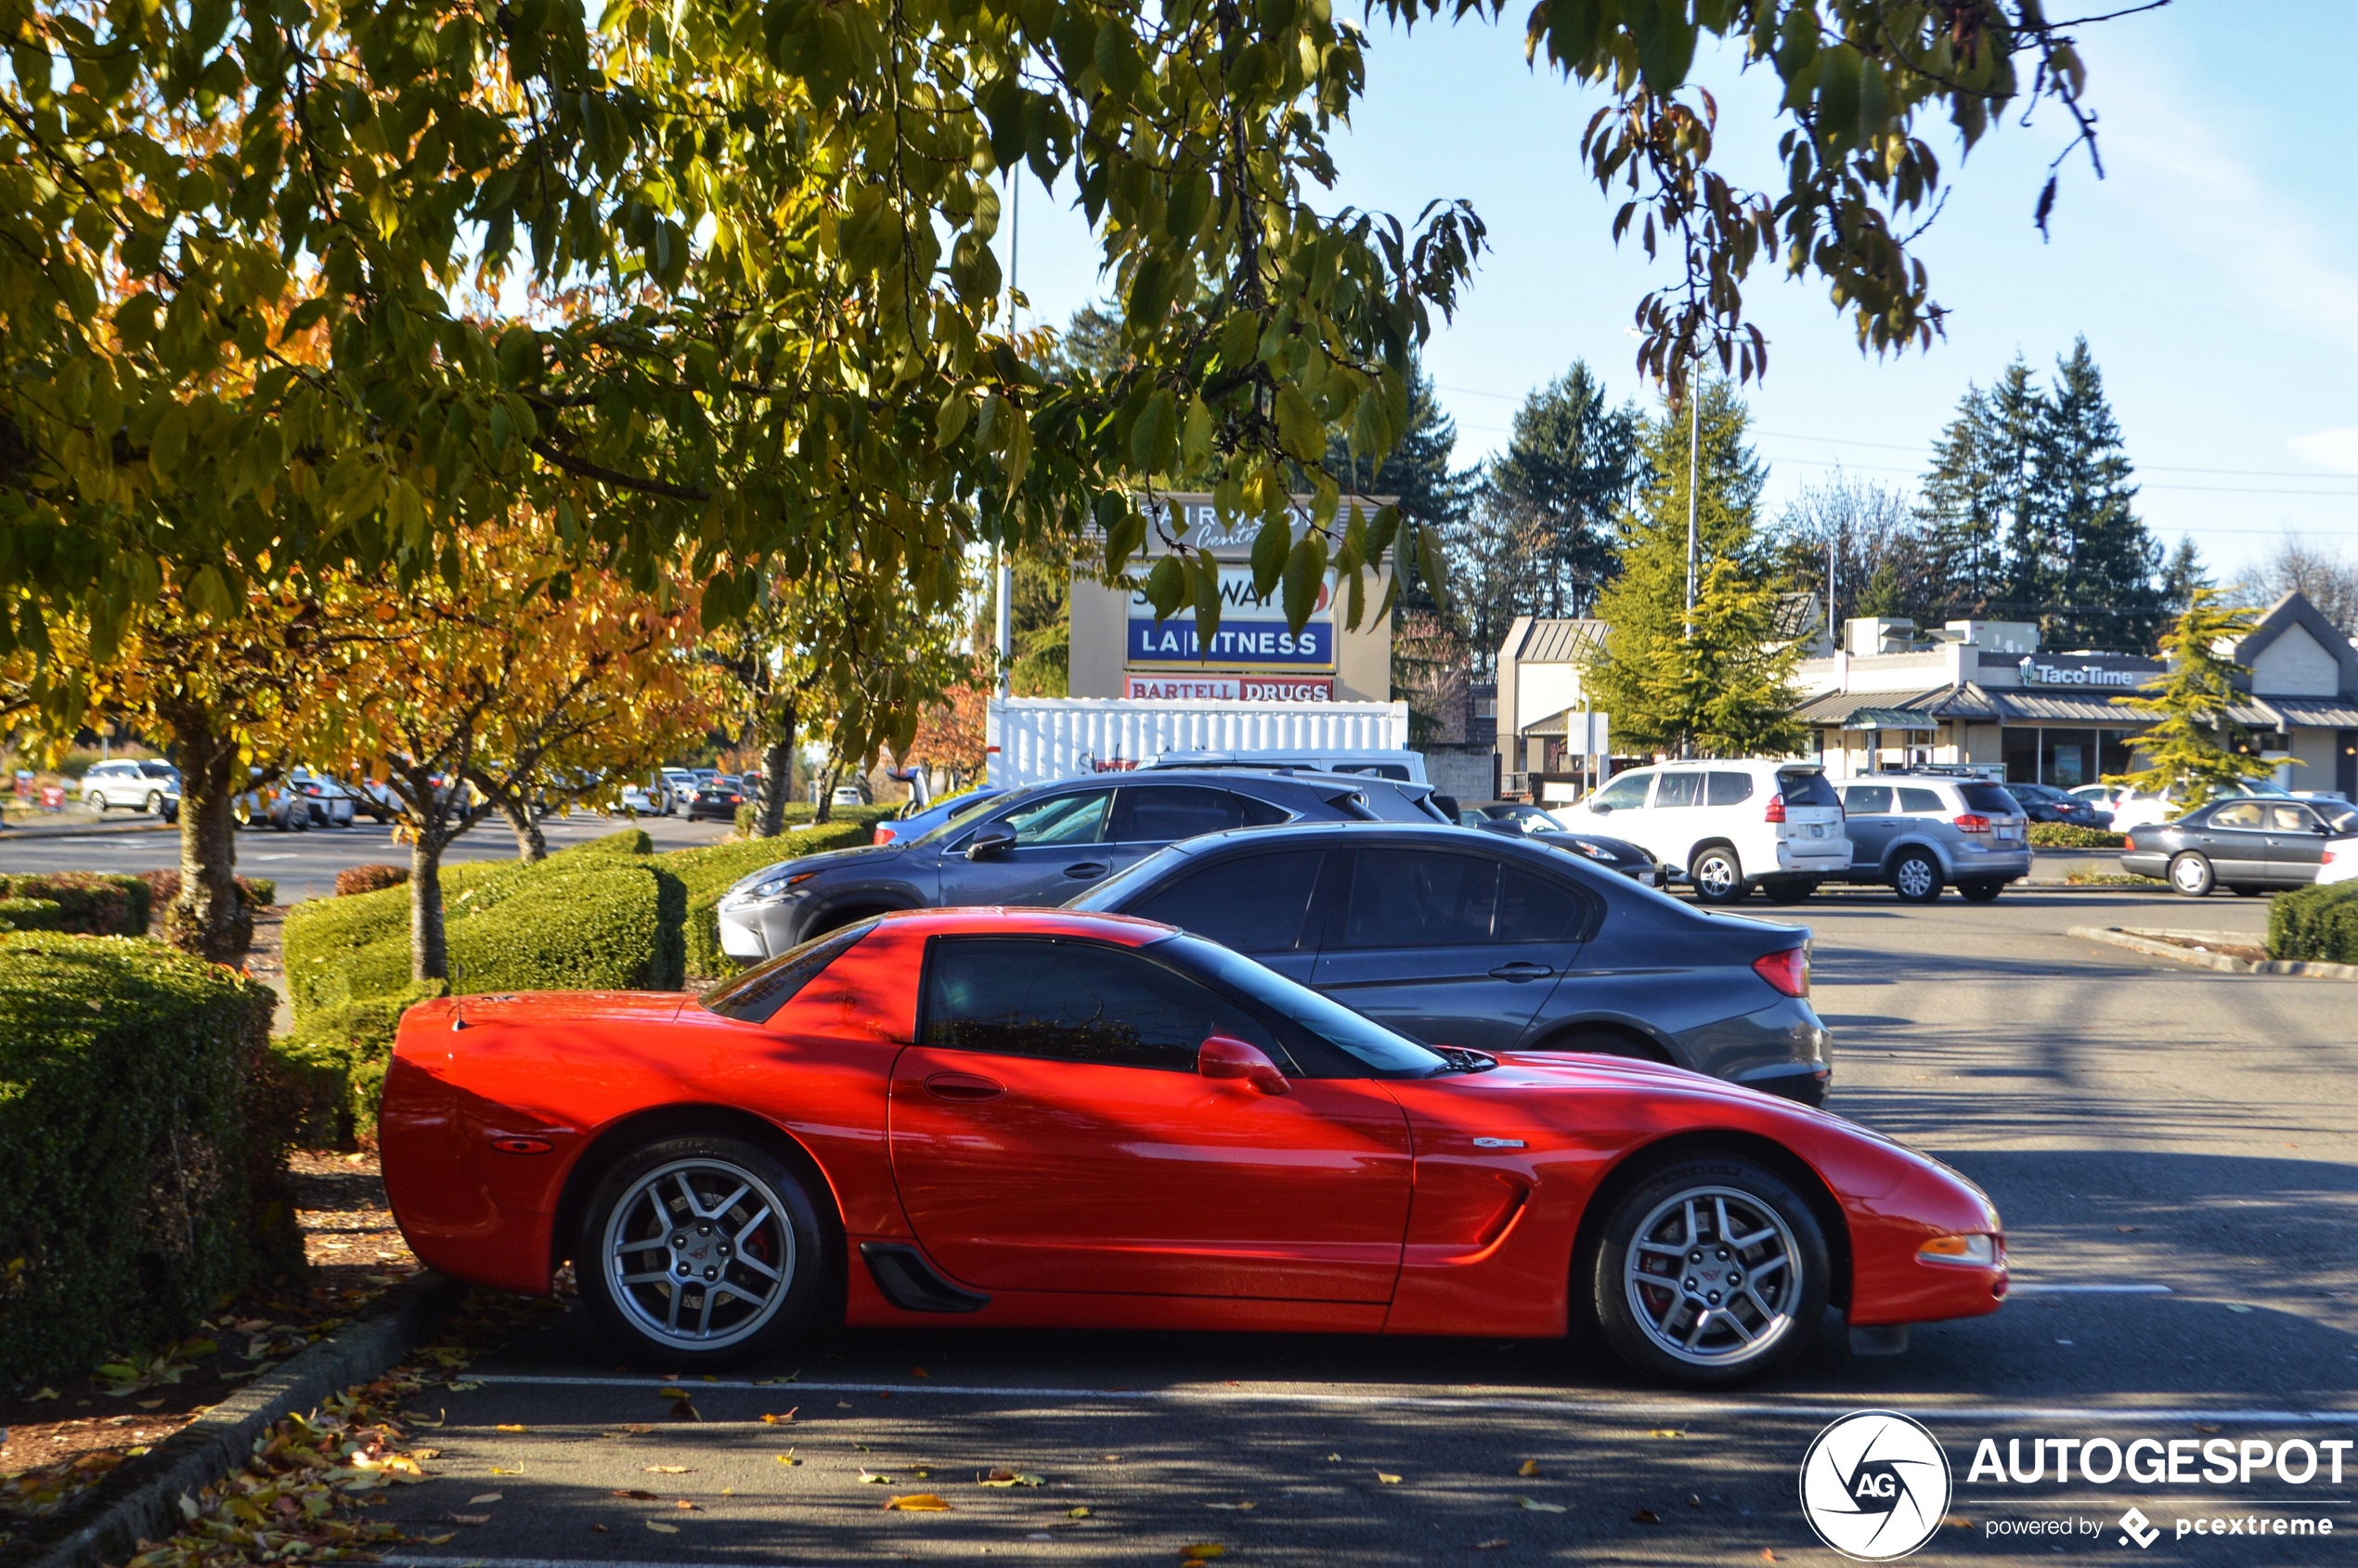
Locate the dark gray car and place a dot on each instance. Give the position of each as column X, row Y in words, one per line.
column 1039, row 846
column 1458, row 936
column 2248, row 845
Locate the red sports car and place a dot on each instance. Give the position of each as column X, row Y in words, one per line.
column 1044, row 1118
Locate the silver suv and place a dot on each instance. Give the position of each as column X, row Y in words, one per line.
column 1920, row 832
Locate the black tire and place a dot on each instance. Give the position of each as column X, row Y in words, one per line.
column 2190, row 874
column 1915, row 877
column 779, row 1221
column 2245, row 890
column 1788, row 889
column 1980, row 892
column 1718, row 876
column 96, row 802
column 1678, row 1332
column 153, row 805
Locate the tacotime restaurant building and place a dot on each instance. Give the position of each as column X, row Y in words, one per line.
column 1983, row 692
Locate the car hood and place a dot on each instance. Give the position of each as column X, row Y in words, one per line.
column 866, row 854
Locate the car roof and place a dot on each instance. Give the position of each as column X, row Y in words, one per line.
column 1357, row 831
column 1003, row 921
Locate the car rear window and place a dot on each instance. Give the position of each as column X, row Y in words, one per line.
column 1989, row 799
column 752, row 996
column 1806, row 789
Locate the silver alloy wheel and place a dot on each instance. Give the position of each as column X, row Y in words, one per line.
column 1914, row 878
column 699, row 1254
column 1716, row 874
column 1712, row 1277
column 2190, row 875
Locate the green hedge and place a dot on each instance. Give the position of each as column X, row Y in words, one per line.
column 334, row 1063
column 2315, row 925
column 711, row 871
column 90, row 903
column 29, row 914
column 2071, row 836
column 145, row 1171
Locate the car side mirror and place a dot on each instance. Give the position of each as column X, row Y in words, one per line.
column 1599, row 808
column 992, row 838
column 1224, row 1057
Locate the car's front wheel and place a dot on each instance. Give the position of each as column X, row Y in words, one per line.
column 153, row 805
column 1719, row 877
column 95, row 801
column 1915, row 877
column 2190, row 874
column 699, row 1251
column 1711, row 1273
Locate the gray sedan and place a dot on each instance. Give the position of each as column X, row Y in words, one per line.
column 1458, row 936
column 2248, row 845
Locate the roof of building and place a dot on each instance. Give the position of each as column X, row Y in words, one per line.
column 2311, row 713
column 1550, row 640
column 1840, row 707
column 2295, row 609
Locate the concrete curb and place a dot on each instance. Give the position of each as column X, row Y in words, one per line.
column 2219, row 961
column 222, row 1438
column 85, row 830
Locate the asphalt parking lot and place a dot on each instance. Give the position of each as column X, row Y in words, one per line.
column 2172, row 1149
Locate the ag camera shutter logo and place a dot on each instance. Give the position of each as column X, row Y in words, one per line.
column 1874, row 1486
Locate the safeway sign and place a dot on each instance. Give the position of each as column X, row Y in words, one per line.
column 1252, row 633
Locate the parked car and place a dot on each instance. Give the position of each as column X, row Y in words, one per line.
column 847, row 795
column 717, row 799
column 329, row 802
column 2143, row 808
column 925, row 818
column 1521, row 819
column 137, row 783
column 2246, row 844
column 1465, row 937
column 1917, row 833
column 1038, row 845
column 2338, row 861
column 276, row 804
column 649, row 798
column 2045, row 803
column 1048, row 1118
column 1726, row 828
column 1401, row 767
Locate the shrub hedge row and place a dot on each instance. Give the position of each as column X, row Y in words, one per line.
column 29, row 914
column 163, row 887
column 2071, row 836
column 90, row 903
column 2315, row 925
column 355, row 879
column 145, row 1171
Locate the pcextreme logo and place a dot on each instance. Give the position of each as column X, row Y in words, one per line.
column 1874, row 1486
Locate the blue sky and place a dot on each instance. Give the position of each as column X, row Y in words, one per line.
column 2214, row 270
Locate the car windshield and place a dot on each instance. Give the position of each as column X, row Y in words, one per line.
column 961, row 820
column 1530, row 819
column 1385, row 1053
column 1115, row 890
column 2339, row 820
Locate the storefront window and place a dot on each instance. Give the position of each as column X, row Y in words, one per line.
column 2019, row 750
column 2069, row 759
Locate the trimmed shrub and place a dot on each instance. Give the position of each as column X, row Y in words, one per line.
column 629, row 841
column 2315, row 925
column 163, row 887
column 356, row 879
column 334, row 1065
column 2071, row 836
column 322, row 935
column 146, row 1147
column 709, row 872
column 28, row 914
column 90, row 903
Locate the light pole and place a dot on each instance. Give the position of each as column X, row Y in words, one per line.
column 1694, row 470
column 1006, row 574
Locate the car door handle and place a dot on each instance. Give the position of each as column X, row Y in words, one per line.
column 963, row 1087
column 1086, row 870
column 1521, row 971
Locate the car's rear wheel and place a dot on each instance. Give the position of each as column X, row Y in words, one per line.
column 1788, row 889
column 1915, row 877
column 1980, row 892
column 1606, row 1043
column 1719, row 877
column 700, row 1252
column 2190, row 874
column 95, row 801
column 154, row 802
column 1711, row 1273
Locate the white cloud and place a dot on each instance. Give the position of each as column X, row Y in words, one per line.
column 2337, row 449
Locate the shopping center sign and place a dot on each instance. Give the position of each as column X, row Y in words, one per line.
column 1253, row 632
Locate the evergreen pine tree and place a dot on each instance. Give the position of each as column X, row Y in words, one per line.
column 2182, row 575
column 1417, row 471
column 2195, row 745
column 1566, row 470
column 2098, row 563
column 1726, row 690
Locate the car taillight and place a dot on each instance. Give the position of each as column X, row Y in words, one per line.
column 1972, row 822
column 883, row 835
column 1788, row 971
column 1776, row 810
column 2333, row 854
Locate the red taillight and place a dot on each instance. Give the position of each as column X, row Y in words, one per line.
column 1788, row 971
column 1776, row 810
column 1972, row 822
column 2333, row 854
column 736, row 800
column 883, row 835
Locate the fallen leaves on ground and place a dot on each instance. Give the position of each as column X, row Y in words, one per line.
column 1005, row 1478
column 1076, row 1514
column 668, row 1470
column 469, row 1519
column 779, row 1420
column 1645, row 1516
column 874, row 1478
column 485, row 1498
column 660, row 1527
column 1202, row 1551
column 684, row 1409
column 1667, row 1432
column 129, row 1374
column 1387, row 1480
column 670, row 1392
column 917, row 1502
column 1529, row 1468
column 787, row 1458
column 511, row 1426
column 1537, row 1506
column 636, row 1494
column 1233, row 1508
column 1495, row 1543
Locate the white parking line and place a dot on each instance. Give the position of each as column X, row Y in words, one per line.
column 2032, row 1287
column 406, row 1560
column 1650, row 1410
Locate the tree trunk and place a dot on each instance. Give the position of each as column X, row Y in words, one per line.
column 532, row 845
column 824, row 809
column 210, row 918
column 429, row 953
column 777, row 776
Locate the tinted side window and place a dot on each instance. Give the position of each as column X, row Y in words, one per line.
column 1075, row 1001
column 1867, row 800
column 1678, row 789
column 752, row 996
column 2242, row 814
column 2291, row 818
column 1414, row 897
column 1727, row 789
column 1262, row 813
column 1625, row 792
column 1534, row 909
column 1166, row 813
column 1249, row 904
column 1078, row 818
column 1994, row 799
column 1806, row 789
column 1921, row 801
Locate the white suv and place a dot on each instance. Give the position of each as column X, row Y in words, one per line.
column 1727, row 827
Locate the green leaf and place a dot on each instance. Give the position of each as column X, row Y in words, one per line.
column 1306, row 574
column 1166, row 588
column 1299, row 430
column 1428, row 565
column 1270, row 548
column 950, row 420
column 1203, row 582
column 1838, row 94
column 1154, row 440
